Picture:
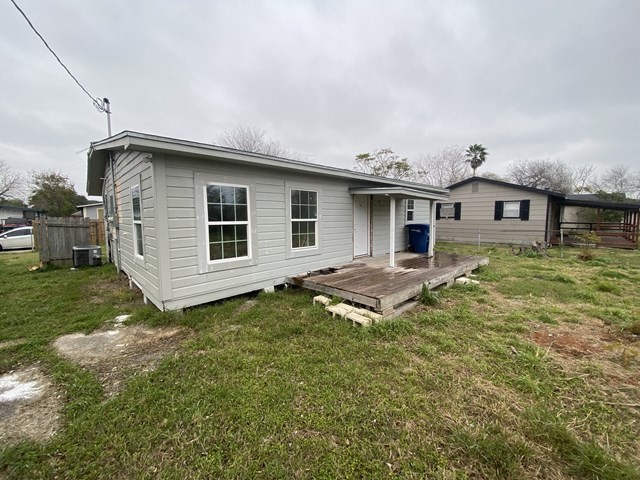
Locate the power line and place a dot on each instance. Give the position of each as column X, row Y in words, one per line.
column 99, row 104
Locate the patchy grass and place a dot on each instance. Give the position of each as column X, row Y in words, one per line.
column 531, row 374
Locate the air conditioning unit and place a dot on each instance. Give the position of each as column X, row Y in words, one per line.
column 87, row 256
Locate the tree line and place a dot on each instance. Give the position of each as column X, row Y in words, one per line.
column 455, row 163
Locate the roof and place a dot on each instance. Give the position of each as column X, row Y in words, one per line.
column 594, row 201
column 95, row 204
column 576, row 200
column 99, row 152
column 507, row 184
column 22, row 209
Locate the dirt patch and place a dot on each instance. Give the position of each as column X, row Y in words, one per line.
column 616, row 354
column 29, row 406
column 120, row 352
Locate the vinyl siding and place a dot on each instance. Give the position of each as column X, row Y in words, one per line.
column 477, row 216
column 130, row 169
column 380, row 223
column 273, row 263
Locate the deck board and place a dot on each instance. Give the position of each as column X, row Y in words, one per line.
column 372, row 282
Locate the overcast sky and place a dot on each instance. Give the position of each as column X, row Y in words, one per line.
column 536, row 79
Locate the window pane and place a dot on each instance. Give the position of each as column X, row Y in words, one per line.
column 295, row 227
column 304, row 197
column 228, row 195
column 215, row 212
column 243, row 249
column 313, row 212
column 312, row 239
column 313, row 198
column 139, row 240
column 241, row 196
column 241, row 213
column 410, row 216
column 410, row 204
column 229, row 249
column 304, row 211
column 136, row 208
column 215, row 233
column 228, row 233
column 241, row 232
column 511, row 210
column 295, row 241
column 228, row 213
column 295, row 211
column 295, row 197
column 215, row 251
column 213, row 193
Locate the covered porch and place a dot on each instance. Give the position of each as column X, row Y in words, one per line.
column 372, row 282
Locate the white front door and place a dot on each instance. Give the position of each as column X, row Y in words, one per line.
column 360, row 225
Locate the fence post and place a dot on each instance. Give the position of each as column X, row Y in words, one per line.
column 561, row 243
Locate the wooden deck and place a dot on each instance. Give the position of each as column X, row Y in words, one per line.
column 373, row 283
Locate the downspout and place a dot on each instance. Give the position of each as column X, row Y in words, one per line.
column 116, row 221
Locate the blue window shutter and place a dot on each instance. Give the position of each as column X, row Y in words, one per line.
column 498, row 211
column 524, row 209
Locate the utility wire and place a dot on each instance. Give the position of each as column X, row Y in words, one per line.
column 99, row 104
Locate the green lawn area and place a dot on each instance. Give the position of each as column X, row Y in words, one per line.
column 534, row 373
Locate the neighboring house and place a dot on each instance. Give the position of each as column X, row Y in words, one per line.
column 94, row 211
column 482, row 210
column 10, row 211
column 191, row 223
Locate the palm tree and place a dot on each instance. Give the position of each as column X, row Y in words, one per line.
column 476, row 155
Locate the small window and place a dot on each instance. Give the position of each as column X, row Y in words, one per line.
column 228, row 222
column 304, row 218
column 447, row 210
column 511, row 210
column 136, row 206
column 411, row 208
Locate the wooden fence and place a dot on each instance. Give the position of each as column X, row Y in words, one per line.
column 55, row 237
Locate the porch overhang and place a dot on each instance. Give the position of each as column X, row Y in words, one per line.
column 398, row 192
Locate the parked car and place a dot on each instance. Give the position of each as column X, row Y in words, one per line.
column 21, row 237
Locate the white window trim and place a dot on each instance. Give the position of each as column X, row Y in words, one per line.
column 504, row 210
column 412, row 210
column 303, row 251
column 315, row 220
column 201, row 180
column 450, row 205
column 135, row 222
column 247, row 223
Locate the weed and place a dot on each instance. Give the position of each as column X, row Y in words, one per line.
column 428, row 297
column 608, row 287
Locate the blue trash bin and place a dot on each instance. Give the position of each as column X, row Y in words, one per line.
column 418, row 237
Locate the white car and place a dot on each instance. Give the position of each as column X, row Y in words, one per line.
column 21, row 237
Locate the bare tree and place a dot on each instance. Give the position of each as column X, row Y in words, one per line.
column 12, row 183
column 544, row 174
column 583, row 178
column 383, row 163
column 249, row 138
column 444, row 168
column 493, row 176
column 620, row 179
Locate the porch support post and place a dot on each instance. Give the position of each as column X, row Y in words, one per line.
column 432, row 233
column 392, row 231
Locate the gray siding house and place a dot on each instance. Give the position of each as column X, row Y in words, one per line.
column 482, row 210
column 191, row 223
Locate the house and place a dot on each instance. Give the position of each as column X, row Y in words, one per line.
column 11, row 211
column 483, row 210
column 94, row 211
column 191, row 223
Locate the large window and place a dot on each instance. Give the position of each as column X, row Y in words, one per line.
column 136, row 207
column 228, row 222
column 411, row 208
column 304, row 218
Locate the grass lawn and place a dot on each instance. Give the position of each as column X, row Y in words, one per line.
column 532, row 374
